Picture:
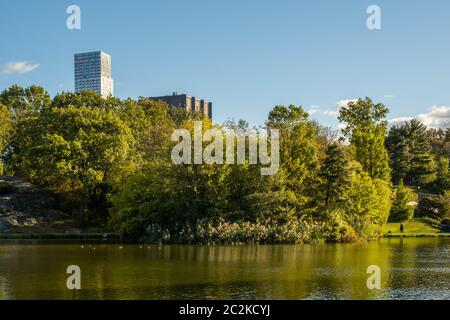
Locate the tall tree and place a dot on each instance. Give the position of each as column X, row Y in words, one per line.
column 73, row 150
column 411, row 153
column 335, row 175
column 442, row 175
column 366, row 129
column 298, row 156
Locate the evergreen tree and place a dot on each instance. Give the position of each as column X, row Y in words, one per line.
column 401, row 160
column 436, row 138
column 411, row 154
column 443, row 179
column 423, row 168
column 335, row 175
column 401, row 210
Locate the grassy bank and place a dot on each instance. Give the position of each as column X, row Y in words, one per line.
column 414, row 228
column 416, row 235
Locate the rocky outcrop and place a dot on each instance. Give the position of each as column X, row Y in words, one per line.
column 25, row 207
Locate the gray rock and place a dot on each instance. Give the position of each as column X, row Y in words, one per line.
column 24, row 205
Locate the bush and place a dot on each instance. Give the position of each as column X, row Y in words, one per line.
column 223, row 232
column 339, row 230
column 401, row 209
column 368, row 205
column 437, row 207
column 432, row 222
column 445, row 225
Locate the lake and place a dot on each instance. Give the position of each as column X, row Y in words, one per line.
column 413, row 268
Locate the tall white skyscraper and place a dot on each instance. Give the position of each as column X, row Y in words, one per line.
column 93, row 72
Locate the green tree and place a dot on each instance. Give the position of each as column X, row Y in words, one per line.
column 73, row 150
column 173, row 196
column 153, row 129
column 368, row 205
column 6, row 131
column 335, row 175
column 366, row 130
column 401, row 209
column 362, row 114
column 442, row 182
column 399, row 153
column 436, row 207
column 411, row 154
column 371, row 152
column 5, row 127
column 296, row 182
column 85, row 98
column 25, row 101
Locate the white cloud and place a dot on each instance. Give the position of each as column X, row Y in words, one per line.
column 343, row 103
column 19, row 67
column 389, row 96
column 331, row 112
column 313, row 109
column 399, row 121
column 438, row 117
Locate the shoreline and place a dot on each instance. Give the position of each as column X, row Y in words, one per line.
column 416, row 235
column 60, row 236
column 110, row 238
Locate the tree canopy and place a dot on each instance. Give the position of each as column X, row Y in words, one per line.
column 109, row 163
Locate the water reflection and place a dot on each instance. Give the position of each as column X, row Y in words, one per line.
column 411, row 269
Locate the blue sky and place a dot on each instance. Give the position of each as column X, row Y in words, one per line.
column 244, row 55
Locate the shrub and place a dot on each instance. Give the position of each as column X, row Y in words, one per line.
column 337, row 229
column 244, row 232
column 432, row 222
column 445, row 225
column 401, row 209
column 368, row 205
column 435, row 207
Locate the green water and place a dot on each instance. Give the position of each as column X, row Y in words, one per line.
column 410, row 269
